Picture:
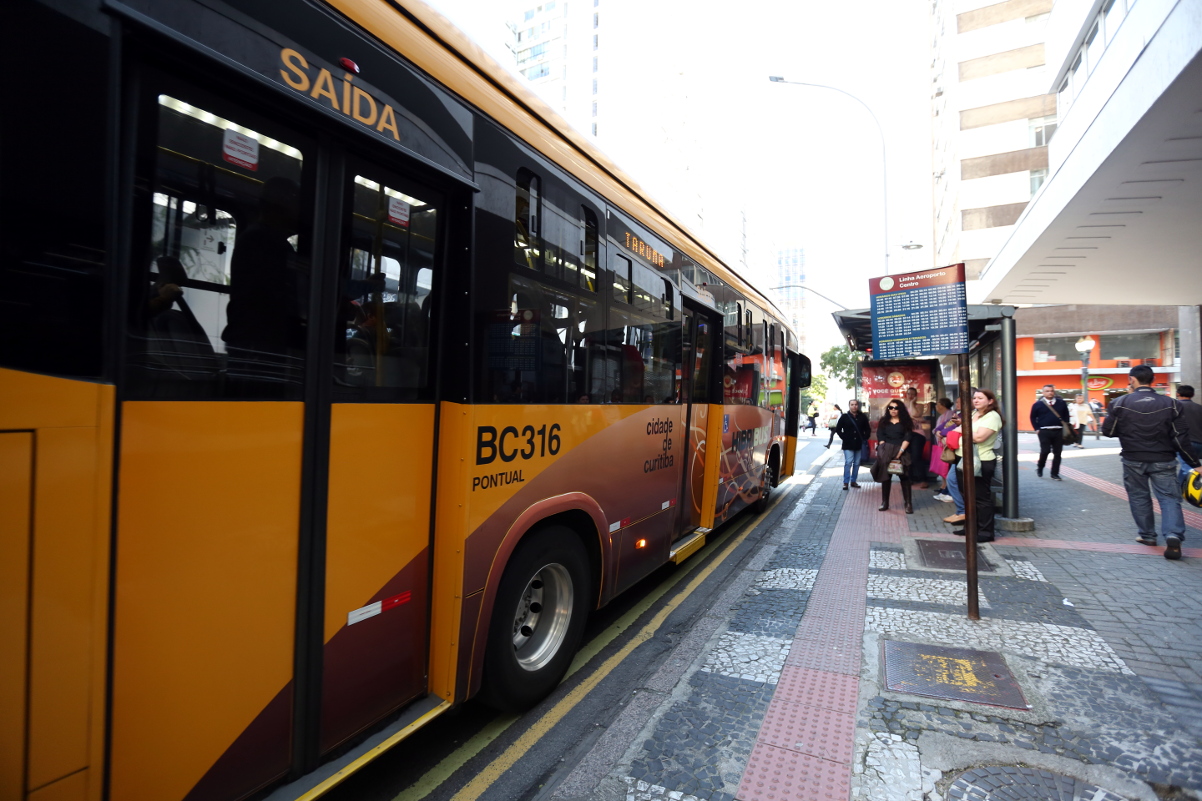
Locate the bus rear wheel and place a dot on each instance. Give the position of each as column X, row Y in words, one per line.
column 538, row 618
column 761, row 504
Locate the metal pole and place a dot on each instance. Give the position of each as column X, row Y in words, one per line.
column 968, row 488
column 1085, row 385
column 1010, row 432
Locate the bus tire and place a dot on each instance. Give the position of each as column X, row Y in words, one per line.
column 537, row 621
column 761, row 504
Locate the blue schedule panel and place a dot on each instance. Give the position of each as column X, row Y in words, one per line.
column 919, row 314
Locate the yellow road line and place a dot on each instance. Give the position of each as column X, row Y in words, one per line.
column 434, row 778
column 493, row 771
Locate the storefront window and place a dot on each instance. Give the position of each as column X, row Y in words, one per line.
column 1130, row 346
column 1057, row 349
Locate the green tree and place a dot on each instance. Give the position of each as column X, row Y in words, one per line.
column 815, row 393
column 840, row 362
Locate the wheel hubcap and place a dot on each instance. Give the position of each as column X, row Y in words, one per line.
column 540, row 622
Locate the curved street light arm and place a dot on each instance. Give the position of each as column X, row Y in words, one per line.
column 808, row 289
column 879, row 130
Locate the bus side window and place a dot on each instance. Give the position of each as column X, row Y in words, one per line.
column 643, row 346
column 588, row 268
column 383, row 329
column 527, row 245
column 219, row 306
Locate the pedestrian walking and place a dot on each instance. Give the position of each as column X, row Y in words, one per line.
column 1152, row 429
column 832, row 422
column 1080, row 415
column 985, row 424
column 893, row 453
column 1193, row 422
column 853, row 428
column 1099, row 411
column 1049, row 416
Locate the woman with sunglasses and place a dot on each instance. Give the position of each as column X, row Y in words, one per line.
column 893, row 443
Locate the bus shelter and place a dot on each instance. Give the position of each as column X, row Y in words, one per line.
column 991, row 355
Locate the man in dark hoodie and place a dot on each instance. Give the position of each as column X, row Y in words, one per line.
column 1152, row 430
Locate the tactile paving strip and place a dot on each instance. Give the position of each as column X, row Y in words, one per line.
column 823, row 733
column 805, row 746
column 820, row 688
column 781, row 774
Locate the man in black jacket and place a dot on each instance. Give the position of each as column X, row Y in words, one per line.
column 1152, row 430
column 1047, row 415
column 854, row 430
column 1193, row 421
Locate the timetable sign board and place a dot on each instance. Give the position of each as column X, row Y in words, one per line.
column 919, row 314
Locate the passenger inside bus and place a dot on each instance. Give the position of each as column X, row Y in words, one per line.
column 268, row 288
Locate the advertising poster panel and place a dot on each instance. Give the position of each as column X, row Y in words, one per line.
column 883, row 381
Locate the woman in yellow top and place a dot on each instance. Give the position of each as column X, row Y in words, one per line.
column 1081, row 416
column 986, row 423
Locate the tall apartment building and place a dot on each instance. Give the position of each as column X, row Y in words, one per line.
column 556, row 45
column 791, row 272
column 993, row 118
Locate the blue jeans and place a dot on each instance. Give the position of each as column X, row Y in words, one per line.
column 953, row 489
column 1185, row 468
column 1163, row 478
column 851, row 465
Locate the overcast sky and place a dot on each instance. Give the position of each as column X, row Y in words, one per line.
column 806, row 162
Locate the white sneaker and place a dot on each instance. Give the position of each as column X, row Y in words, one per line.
column 939, row 496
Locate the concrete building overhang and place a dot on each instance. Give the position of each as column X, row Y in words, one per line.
column 1120, row 220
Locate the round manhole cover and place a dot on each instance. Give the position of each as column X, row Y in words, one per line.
column 1008, row 783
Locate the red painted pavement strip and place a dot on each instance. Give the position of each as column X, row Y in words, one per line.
column 782, row 774
column 820, row 688
column 1192, row 519
column 804, row 749
column 818, row 732
column 1066, row 545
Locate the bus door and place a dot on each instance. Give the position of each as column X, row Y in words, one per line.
column 797, row 378
column 701, row 328
column 381, row 440
column 276, row 447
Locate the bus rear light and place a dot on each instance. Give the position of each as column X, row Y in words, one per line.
column 348, row 65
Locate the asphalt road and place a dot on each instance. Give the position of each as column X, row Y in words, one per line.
column 473, row 752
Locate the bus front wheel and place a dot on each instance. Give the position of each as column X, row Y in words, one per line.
column 538, row 617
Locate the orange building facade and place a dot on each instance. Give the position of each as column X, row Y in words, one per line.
column 1053, row 359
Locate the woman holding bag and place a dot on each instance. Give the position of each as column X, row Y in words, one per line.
column 986, row 423
column 939, row 466
column 893, row 453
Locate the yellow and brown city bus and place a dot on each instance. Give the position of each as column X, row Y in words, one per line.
column 339, row 381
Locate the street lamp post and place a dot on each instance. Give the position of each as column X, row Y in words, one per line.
column 879, row 130
column 1084, row 345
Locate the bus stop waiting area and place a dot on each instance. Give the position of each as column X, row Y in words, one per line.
column 837, row 660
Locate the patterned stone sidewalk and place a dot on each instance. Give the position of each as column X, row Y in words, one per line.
column 786, row 697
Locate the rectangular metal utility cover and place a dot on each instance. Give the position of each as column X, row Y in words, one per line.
column 950, row 555
column 956, row 674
